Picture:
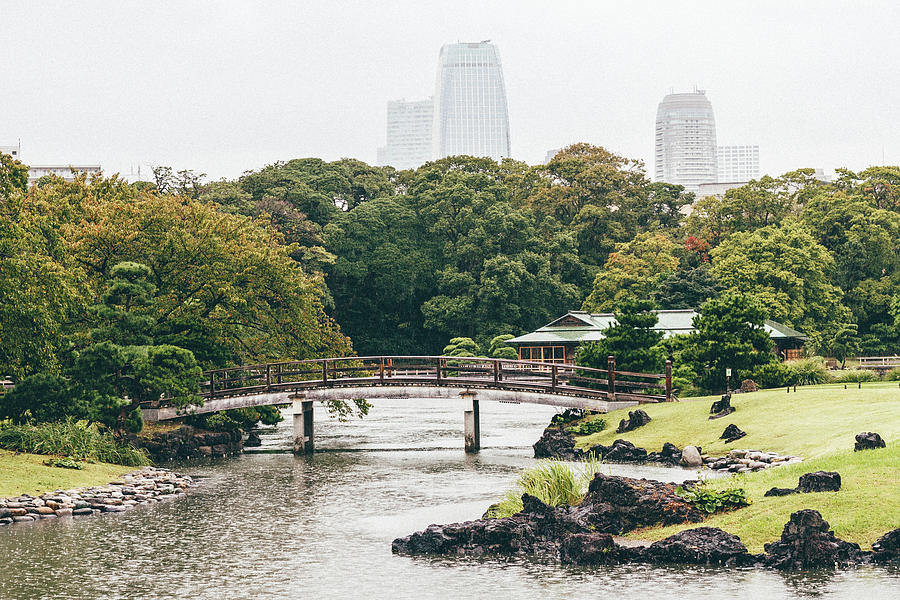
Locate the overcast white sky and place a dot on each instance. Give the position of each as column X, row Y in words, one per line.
column 221, row 87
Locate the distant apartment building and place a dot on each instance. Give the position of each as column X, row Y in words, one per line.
column 14, row 151
column 67, row 172
column 550, row 154
column 685, row 141
column 409, row 126
column 737, row 163
column 470, row 111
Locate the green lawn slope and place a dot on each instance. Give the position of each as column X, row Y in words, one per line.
column 816, row 423
column 26, row 474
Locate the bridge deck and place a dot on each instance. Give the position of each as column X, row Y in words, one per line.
column 424, row 377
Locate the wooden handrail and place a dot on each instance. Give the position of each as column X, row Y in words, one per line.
column 499, row 373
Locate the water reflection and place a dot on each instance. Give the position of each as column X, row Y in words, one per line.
column 275, row 526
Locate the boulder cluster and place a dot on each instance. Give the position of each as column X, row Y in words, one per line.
column 147, row 486
column 744, row 461
column 189, row 442
column 586, row 534
column 612, row 506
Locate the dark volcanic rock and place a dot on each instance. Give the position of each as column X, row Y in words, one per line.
column 820, row 481
column 868, row 441
column 732, row 433
column 613, row 505
column 721, row 407
column 538, row 529
column 620, row 504
column 567, row 416
column 807, row 542
column 777, row 491
column 622, row 451
column 670, row 455
column 253, row 440
column 594, row 549
column 636, row 418
column 556, row 443
column 700, row 546
column 887, row 548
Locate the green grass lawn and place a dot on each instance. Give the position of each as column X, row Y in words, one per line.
column 818, row 423
column 814, row 421
column 26, row 474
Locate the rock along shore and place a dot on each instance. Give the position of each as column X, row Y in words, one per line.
column 138, row 488
column 585, row 534
column 557, row 442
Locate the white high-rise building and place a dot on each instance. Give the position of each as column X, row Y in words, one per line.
column 685, row 149
column 737, row 163
column 470, row 112
column 409, row 126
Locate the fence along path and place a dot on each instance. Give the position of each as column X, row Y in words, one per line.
column 453, row 371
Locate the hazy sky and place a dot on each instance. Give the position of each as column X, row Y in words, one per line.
column 221, row 87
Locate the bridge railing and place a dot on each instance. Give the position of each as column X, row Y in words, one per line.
column 558, row 378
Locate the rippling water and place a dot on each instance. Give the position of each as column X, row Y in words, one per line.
column 269, row 525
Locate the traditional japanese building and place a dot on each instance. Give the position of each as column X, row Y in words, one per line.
column 558, row 341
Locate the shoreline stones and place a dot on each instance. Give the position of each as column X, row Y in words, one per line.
column 613, row 505
column 146, row 486
column 868, row 441
column 585, row 535
column 691, row 457
column 744, row 461
column 188, row 442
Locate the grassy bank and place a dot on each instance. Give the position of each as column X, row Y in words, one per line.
column 814, row 421
column 817, row 423
column 26, row 474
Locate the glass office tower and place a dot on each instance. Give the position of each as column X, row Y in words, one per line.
column 686, row 140
column 470, row 113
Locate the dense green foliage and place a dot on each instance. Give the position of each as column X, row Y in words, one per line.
column 75, row 439
column 631, row 340
column 298, row 258
column 588, row 427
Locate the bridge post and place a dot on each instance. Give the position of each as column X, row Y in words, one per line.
column 303, row 425
column 471, row 422
column 611, row 378
column 669, row 380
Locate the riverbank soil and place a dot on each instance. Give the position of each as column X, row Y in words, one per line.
column 27, row 474
column 817, row 423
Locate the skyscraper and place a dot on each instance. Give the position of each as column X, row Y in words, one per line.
column 686, row 140
column 408, row 134
column 738, row 163
column 470, row 113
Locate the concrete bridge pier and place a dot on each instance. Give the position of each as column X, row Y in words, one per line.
column 303, row 425
column 471, row 422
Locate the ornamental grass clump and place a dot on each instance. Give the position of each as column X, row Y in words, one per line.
column 810, row 371
column 75, row 439
column 553, row 482
column 856, row 376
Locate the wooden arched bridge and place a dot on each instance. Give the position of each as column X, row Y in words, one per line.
column 303, row 382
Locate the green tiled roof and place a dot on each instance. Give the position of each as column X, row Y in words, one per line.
column 577, row 327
